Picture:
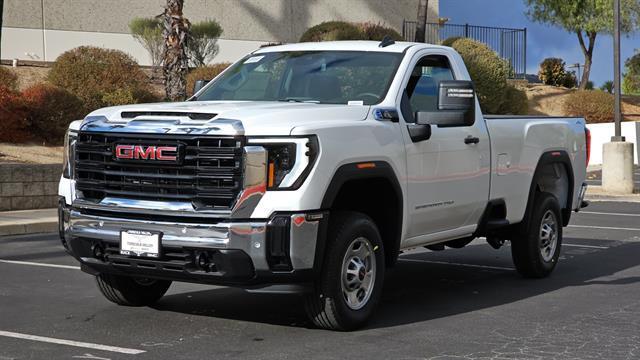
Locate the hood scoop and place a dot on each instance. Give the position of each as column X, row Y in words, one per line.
column 190, row 115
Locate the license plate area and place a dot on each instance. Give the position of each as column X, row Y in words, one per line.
column 140, row 243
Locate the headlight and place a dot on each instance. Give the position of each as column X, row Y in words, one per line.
column 69, row 153
column 289, row 160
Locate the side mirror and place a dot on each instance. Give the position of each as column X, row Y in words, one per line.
column 456, row 105
column 199, row 84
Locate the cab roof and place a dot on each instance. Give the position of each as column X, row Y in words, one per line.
column 359, row 45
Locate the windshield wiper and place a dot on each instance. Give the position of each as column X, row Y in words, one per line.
column 300, row 100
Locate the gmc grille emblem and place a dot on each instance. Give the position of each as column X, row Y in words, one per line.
column 146, row 152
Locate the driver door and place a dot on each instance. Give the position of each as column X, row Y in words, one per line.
column 447, row 179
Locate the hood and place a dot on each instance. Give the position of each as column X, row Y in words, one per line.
column 256, row 118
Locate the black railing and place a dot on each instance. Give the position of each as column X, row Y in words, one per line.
column 510, row 44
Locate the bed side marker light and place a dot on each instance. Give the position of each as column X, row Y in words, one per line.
column 368, row 165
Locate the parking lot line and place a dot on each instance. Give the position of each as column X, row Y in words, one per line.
column 603, row 227
column 71, row 343
column 586, row 246
column 458, row 264
column 39, row 264
column 608, row 213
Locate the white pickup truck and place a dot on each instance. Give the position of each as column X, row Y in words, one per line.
column 309, row 168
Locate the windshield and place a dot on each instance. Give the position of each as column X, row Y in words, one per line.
column 323, row 77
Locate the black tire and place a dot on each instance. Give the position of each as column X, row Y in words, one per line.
column 327, row 306
column 128, row 291
column 531, row 258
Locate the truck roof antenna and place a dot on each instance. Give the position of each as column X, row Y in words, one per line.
column 386, row 41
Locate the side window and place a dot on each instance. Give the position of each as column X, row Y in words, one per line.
column 422, row 88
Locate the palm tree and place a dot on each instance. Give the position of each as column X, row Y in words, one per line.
column 421, row 25
column 1, row 11
column 175, row 63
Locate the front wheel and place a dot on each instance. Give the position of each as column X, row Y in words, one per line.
column 353, row 274
column 535, row 253
column 129, row 291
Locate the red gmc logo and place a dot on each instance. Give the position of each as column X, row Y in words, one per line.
column 150, row 152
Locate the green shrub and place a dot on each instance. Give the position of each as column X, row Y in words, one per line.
column 91, row 72
column 13, row 117
column 129, row 96
column 488, row 71
column 594, row 105
column 202, row 46
column 607, row 87
column 553, row 72
column 515, row 102
column 8, row 78
column 449, row 41
column 204, row 73
column 631, row 81
column 377, row 32
column 331, row 31
column 571, row 81
column 51, row 109
column 148, row 32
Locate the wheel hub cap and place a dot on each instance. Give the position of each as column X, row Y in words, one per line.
column 548, row 236
column 358, row 273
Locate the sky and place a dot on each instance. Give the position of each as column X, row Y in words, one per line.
column 543, row 40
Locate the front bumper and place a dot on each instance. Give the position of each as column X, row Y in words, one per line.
column 280, row 250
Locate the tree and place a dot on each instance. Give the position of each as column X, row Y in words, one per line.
column 421, row 24
column 585, row 18
column 203, row 44
column 148, row 32
column 175, row 62
column 607, row 87
column 631, row 83
column 1, row 12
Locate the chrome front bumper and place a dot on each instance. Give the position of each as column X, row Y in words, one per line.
column 254, row 238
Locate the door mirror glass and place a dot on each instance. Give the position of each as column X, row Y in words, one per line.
column 199, row 84
column 456, row 105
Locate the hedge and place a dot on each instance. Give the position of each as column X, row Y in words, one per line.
column 595, row 106
column 204, row 73
column 50, row 110
column 8, row 78
column 13, row 117
column 90, row 73
column 489, row 73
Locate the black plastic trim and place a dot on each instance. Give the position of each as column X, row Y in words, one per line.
column 381, row 170
column 547, row 158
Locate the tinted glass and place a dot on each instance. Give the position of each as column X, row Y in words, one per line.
column 327, row 77
column 424, row 82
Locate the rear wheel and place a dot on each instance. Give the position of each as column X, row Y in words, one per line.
column 352, row 277
column 129, row 291
column 535, row 253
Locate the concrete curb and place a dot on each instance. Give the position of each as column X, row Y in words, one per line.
column 595, row 193
column 28, row 222
column 29, row 228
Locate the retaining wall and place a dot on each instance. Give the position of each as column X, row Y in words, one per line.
column 27, row 186
column 602, row 133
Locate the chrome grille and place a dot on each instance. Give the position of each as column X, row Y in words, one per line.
column 208, row 173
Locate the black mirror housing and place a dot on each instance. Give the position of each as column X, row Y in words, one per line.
column 199, row 84
column 456, row 105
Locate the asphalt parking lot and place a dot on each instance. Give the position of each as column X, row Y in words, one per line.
column 456, row 304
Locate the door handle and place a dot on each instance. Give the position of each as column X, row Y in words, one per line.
column 471, row 140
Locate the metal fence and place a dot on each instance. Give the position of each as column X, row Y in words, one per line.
column 510, row 44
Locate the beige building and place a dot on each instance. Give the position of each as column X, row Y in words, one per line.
column 40, row 30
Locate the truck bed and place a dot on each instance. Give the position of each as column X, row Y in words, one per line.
column 517, row 145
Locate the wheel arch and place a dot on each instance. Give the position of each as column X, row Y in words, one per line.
column 372, row 188
column 553, row 174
